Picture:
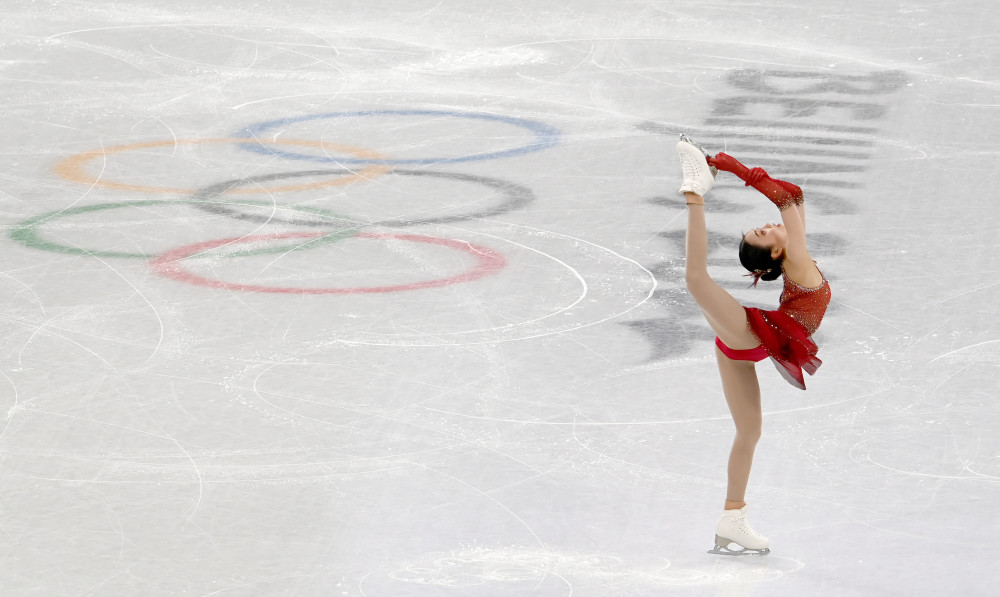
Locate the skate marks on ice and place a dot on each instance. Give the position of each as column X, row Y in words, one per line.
column 329, row 432
column 530, row 571
column 586, row 284
column 900, row 446
column 815, row 129
column 947, row 439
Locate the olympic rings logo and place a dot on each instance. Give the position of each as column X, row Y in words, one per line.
column 325, row 227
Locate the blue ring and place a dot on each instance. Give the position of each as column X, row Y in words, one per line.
column 545, row 137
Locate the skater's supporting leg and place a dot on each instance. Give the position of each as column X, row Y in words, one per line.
column 742, row 391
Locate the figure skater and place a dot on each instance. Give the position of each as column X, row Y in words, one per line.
column 747, row 335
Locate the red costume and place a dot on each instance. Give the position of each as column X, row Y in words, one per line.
column 785, row 334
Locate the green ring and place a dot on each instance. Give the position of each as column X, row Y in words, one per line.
column 27, row 232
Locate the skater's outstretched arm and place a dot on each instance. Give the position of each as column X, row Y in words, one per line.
column 798, row 263
column 799, row 202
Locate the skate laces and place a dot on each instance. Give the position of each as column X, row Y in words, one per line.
column 741, row 527
column 689, row 166
column 747, row 531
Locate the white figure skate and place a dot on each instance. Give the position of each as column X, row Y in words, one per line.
column 698, row 175
column 690, row 141
column 733, row 529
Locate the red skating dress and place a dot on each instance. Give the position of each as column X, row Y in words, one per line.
column 786, row 333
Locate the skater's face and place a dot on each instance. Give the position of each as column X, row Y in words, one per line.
column 769, row 236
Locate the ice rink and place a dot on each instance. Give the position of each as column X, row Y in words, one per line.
column 386, row 299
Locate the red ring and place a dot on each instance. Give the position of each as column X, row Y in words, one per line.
column 168, row 264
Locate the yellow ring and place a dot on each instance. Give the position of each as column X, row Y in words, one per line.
column 73, row 167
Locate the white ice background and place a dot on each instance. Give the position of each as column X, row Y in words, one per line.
column 555, row 427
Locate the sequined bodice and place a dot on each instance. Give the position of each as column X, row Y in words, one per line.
column 805, row 305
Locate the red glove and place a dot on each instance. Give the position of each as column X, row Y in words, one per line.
column 794, row 190
column 780, row 192
column 728, row 163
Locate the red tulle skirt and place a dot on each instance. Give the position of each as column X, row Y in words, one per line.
column 787, row 342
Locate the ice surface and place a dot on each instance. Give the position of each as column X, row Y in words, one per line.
column 434, row 340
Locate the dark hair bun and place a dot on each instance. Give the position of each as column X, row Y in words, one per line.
column 773, row 274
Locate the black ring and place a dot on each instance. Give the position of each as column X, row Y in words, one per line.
column 517, row 196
